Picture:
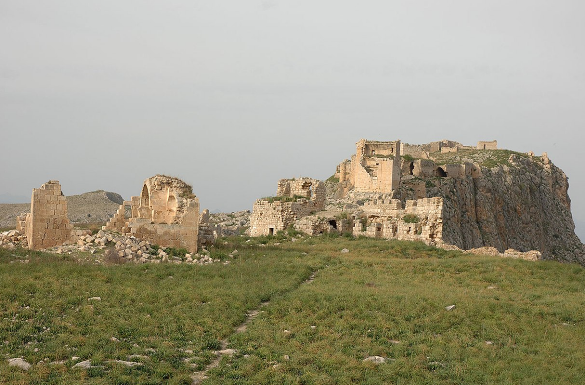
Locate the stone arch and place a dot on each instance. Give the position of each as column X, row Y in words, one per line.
column 144, row 210
column 440, row 172
column 145, row 197
column 411, row 168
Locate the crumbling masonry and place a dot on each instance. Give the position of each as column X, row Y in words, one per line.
column 372, row 177
column 166, row 213
column 47, row 224
column 295, row 198
column 419, row 220
column 374, row 168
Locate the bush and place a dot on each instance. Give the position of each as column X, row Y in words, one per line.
column 292, row 232
column 411, row 218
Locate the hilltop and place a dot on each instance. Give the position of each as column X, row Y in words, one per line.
column 442, row 193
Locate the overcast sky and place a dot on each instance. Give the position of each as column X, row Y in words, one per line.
column 231, row 96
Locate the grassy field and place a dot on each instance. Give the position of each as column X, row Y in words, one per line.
column 514, row 322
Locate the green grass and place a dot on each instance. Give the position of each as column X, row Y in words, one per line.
column 485, row 158
column 161, row 312
column 411, row 218
column 514, row 322
column 283, row 198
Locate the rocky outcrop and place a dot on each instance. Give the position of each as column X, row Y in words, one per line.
column 521, row 204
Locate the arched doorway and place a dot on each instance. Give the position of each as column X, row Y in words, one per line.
column 144, row 209
column 440, row 172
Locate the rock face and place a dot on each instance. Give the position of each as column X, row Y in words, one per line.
column 520, row 204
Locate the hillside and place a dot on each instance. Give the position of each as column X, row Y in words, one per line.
column 91, row 207
column 293, row 309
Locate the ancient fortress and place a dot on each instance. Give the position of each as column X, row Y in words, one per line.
column 441, row 193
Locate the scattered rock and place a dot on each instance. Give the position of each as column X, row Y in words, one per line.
column 20, row 363
column 375, row 359
column 94, row 299
column 127, row 363
column 450, row 307
column 83, row 365
column 227, row 352
column 344, row 250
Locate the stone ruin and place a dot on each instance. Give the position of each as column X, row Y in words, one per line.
column 372, row 177
column 418, row 220
column 47, row 225
column 374, row 168
column 166, row 213
column 379, row 167
column 424, row 151
column 295, row 198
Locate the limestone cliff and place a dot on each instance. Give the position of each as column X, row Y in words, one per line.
column 521, row 202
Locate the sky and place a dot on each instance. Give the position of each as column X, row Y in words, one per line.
column 232, row 96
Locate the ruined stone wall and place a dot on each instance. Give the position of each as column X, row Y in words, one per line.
column 343, row 171
column 445, row 150
column 47, row 224
column 415, row 150
column 179, row 235
column 482, row 145
column 420, row 220
column 270, row 217
column 21, row 223
column 322, row 223
column 424, row 168
column 375, row 167
column 119, row 222
column 166, row 213
column 311, row 189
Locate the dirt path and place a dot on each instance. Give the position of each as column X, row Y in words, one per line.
column 198, row 377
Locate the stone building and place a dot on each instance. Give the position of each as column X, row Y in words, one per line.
column 295, row 198
column 375, row 167
column 166, row 213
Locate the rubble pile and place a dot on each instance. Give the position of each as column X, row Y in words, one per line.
column 112, row 247
column 227, row 224
column 13, row 238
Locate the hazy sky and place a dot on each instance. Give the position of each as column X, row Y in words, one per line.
column 233, row 95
